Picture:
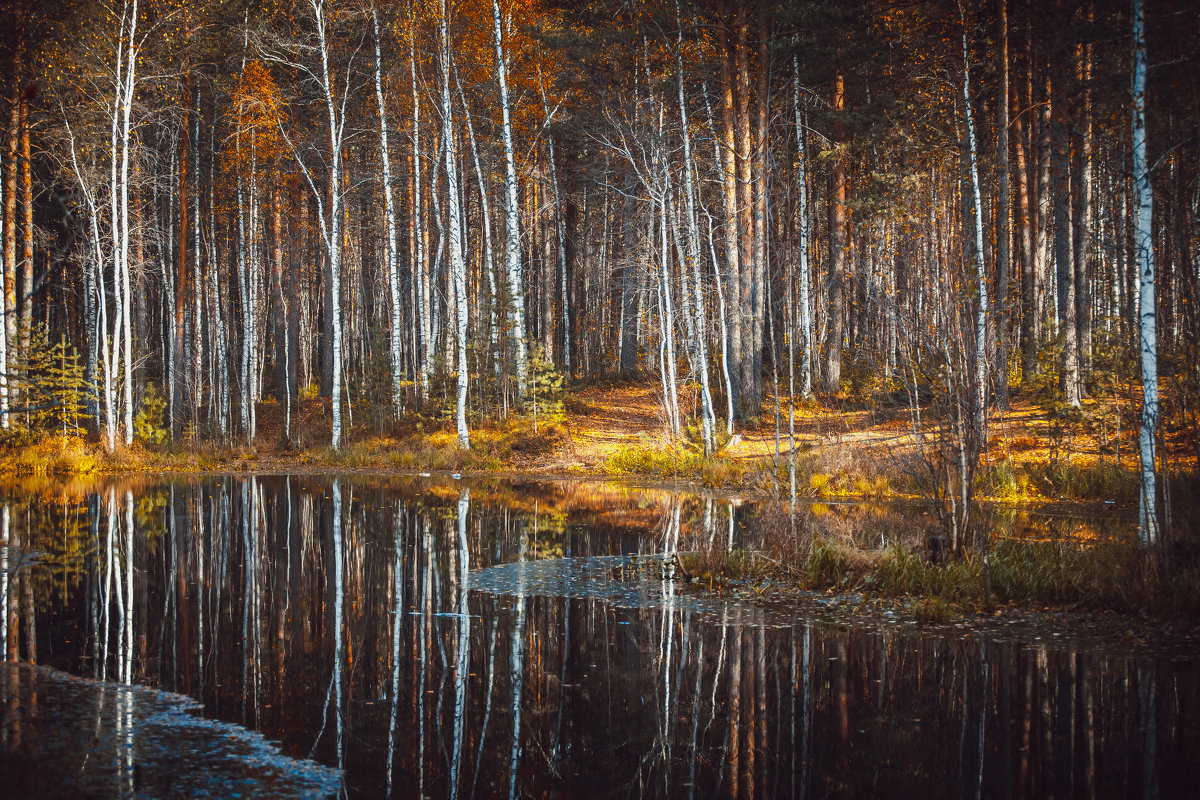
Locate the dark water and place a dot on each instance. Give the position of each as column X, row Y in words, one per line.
column 445, row 639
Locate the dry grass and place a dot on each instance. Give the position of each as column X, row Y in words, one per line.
column 843, row 448
column 829, row 553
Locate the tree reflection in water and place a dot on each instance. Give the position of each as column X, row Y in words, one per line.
column 341, row 618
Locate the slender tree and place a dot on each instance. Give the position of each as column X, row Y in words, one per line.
column 1148, row 518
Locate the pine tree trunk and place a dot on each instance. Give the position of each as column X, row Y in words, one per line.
column 733, row 234
column 837, row 248
column 8, row 397
column 750, row 394
column 1028, row 259
column 1045, row 218
column 761, row 304
column 1003, row 216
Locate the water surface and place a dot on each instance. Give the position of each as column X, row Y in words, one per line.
column 442, row 638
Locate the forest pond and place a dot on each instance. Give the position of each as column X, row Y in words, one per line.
column 432, row 637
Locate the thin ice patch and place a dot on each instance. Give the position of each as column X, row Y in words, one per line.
column 109, row 740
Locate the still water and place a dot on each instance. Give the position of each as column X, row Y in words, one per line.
column 452, row 639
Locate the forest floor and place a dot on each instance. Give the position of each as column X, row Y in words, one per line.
column 1036, row 451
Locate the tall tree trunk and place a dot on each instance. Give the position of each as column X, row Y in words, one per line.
column 197, row 343
column 512, row 217
column 1028, row 261
column 485, row 214
column 179, row 360
column 750, row 394
column 329, row 217
column 1047, row 305
column 1148, row 518
column 419, row 248
column 802, row 212
column 761, row 303
column 708, row 416
column 26, row 296
column 457, row 263
column 393, row 273
column 279, row 310
column 558, row 229
column 1082, row 235
column 837, row 248
column 9, row 353
column 735, row 263
column 123, row 262
column 627, row 342
column 981, row 312
column 1003, row 216
column 1063, row 252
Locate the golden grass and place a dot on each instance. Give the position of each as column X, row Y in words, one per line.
column 843, row 449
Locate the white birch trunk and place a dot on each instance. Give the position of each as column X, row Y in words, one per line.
column 712, row 249
column 112, row 348
column 197, row 281
column 731, row 252
column 806, row 337
column 667, row 322
column 457, row 264
column 331, row 228
column 244, row 361
column 512, row 209
column 127, row 338
column 1148, row 521
column 420, row 269
column 981, row 276
column 709, row 419
column 101, row 306
column 390, row 211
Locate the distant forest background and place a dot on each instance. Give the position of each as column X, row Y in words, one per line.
column 429, row 207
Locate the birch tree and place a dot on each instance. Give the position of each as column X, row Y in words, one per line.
column 981, row 312
column 1148, row 522
column 802, row 213
column 420, row 265
column 125, row 88
column 329, row 212
column 390, row 211
column 512, row 215
column 708, row 418
column 458, row 265
column 1004, row 210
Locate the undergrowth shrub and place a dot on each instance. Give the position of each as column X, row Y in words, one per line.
column 148, row 425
